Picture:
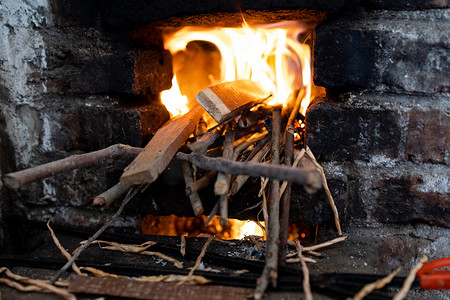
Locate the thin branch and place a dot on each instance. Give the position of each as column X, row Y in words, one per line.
column 305, row 270
column 108, row 197
column 200, row 256
column 196, row 202
column 327, row 190
column 201, row 183
column 297, row 175
column 18, row 179
column 286, row 198
column 114, row 218
column 410, row 279
column 379, row 284
column 207, row 139
column 61, row 248
column 270, row 271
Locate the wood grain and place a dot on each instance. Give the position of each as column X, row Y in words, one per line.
column 151, row 162
column 221, row 99
column 122, row 287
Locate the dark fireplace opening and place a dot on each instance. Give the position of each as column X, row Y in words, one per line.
column 80, row 76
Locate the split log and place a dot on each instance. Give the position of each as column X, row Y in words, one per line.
column 295, row 175
column 18, row 179
column 224, row 98
column 162, row 147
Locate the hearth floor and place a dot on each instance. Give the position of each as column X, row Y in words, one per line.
column 362, row 252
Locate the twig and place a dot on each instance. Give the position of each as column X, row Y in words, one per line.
column 127, row 199
column 61, row 248
column 310, row 250
column 99, row 273
column 410, row 279
column 39, row 283
column 286, row 198
column 247, row 143
column 379, row 284
column 264, row 206
column 222, row 184
column 270, row 272
column 298, row 102
column 175, row 262
column 19, row 287
column 306, row 285
column 196, row 203
column 183, row 244
column 207, row 139
column 294, row 165
column 108, row 197
column 200, row 256
column 297, row 260
column 18, row 179
column 327, row 190
column 242, row 179
column 201, row 183
column 311, row 180
column 213, row 212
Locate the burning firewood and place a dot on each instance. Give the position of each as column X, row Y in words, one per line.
column 228, row 99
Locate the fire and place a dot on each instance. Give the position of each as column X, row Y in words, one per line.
column 269, row 54
column 175, row 226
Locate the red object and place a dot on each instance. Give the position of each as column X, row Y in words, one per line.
column 433, row 279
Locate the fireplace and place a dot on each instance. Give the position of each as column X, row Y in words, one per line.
column 79, row 76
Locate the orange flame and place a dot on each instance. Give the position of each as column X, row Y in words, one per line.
column 269, row 54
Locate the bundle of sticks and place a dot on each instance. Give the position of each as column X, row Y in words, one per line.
column 250, row 129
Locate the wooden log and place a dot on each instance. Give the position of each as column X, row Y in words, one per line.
column 128, row 288
column 222, row 99
column 162, row 147
column 295, row 175
column 18, row 179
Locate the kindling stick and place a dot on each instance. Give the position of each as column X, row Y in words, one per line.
column 270, row 272
column 196, row 203
column 106, row 198
column 295, row 175
column 127, row 199
column 286, row 196
column 18, row 179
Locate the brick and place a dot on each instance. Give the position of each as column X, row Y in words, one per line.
column 339, row 131
column 389, row 192
column 399, row 127
column 91, row 61
column 427, row 138
column 397, row 51
column 406, row 4
column 135, row 12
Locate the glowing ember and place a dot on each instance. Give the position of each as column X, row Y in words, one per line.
column 270, row 54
